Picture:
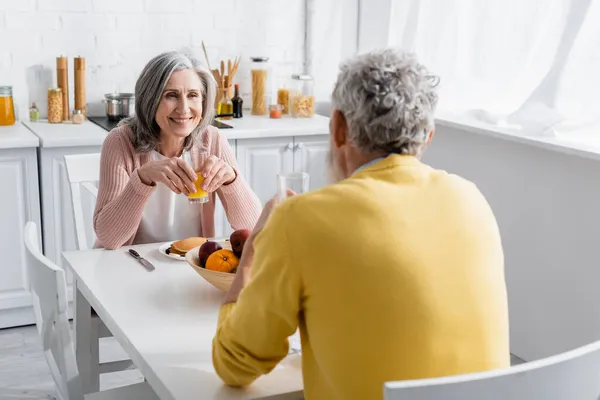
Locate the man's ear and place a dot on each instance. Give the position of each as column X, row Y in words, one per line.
column 339, row 128
column 430, row 136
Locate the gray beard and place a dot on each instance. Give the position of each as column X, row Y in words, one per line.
column 334, row 172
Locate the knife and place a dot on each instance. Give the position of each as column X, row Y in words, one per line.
column 142, row 260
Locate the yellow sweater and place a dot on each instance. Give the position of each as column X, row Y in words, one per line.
column 394, row 273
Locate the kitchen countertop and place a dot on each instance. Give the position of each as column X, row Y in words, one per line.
column 17, row 136
column 252, row 126
column 67, row 134
column 249, row 127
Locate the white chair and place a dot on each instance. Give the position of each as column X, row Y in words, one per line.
column 82, row 171
column 49, row 292
column 567, row 376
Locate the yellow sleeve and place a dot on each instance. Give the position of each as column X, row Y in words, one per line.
column 252, row 337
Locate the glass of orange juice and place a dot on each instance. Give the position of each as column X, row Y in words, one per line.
column 200, row 196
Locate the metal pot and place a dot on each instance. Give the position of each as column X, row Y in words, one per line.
column 119, row 105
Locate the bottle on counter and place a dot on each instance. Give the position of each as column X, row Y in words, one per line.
column 237, row 102
column 34, row 113
column 55, row 105
column 225, row 105
column 7, row 107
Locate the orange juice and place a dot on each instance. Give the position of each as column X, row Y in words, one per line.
column 7, row 109
column 201, row 196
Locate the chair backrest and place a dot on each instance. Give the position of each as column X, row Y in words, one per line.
column 571, row 375
column 82, row 171
column 49, row 292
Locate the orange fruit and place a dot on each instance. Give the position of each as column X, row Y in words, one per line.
column 222, row 261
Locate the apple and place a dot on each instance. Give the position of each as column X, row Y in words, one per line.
column 237, row 240
column 206, row 250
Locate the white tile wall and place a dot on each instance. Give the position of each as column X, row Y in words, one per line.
column 117, row 37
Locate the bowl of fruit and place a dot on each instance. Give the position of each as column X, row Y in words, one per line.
column 217, row 261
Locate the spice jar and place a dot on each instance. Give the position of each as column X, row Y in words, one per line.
column 55, row 105
column 302, row 99
column 77, row 117
column 275, row 111
column 34, row 113
column 283, row 99
column 7, row 107
column 260, row 84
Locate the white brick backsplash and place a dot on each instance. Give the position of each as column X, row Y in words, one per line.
column 5, row 61
column 160, row 42
column 69, row 44
column 65, row 5
column 118, row 37
column 221, row 8
column 119, row 6
column 87, row 22
column 117, row 41
column 139, row 25
column 172, row 6
column 17, row 5
column 27, row 21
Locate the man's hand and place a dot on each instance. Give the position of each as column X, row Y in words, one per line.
column 244, row 271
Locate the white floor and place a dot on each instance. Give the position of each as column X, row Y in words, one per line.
column 24, row 373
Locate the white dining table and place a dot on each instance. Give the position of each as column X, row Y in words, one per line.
column 165, row 320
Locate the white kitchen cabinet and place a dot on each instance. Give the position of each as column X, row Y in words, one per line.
column 263, row 158
column 310, row 155
column 260, row 161
column 20, row 203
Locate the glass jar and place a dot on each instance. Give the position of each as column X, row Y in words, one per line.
column 55, row 105
column 259, row 70
column 77, row 117
column 7, row 107
column 275, row 111
column 283, row 99
column 302, row 99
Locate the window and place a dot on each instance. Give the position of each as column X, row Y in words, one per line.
column 532, row 65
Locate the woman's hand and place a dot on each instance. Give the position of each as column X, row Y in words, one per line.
column 173, row 172
column 216, row 173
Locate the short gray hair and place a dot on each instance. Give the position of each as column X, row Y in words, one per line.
column 148, row 93
column 388, row 100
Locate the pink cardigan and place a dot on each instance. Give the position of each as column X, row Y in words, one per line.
column 122, row 195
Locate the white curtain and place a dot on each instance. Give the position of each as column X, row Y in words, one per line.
column 530, row 65
column 331, row 38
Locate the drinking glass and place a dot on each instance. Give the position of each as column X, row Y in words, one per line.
column 296, row 181
column 200, row 196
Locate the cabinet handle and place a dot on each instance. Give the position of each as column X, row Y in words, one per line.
column 299, row 146
column 290, row 147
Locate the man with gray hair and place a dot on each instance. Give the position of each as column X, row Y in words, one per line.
column 393, row 272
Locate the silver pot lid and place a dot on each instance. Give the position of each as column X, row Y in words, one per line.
column 119, row 96
column 302, row 77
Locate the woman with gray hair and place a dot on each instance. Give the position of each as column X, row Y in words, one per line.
column 148, row 161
